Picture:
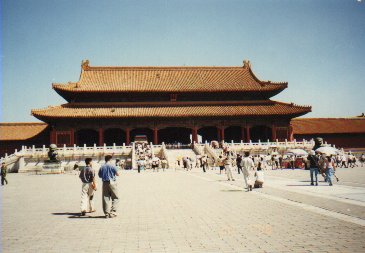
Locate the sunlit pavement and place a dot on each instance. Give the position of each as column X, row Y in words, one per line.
column 179, row 211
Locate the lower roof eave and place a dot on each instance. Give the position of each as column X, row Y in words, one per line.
column 50, row 120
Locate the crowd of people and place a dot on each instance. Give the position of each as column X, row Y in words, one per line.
column 146, row 160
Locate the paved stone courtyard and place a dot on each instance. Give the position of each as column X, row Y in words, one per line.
column 178, row 211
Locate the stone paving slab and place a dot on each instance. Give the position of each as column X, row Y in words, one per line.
column 164, row 212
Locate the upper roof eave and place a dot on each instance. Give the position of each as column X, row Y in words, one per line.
column 149, row 79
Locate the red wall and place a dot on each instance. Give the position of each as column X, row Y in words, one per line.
column 340, row 140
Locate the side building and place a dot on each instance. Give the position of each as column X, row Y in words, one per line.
column 347, row 133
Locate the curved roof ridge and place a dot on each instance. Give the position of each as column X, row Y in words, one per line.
column 293, row 104
column 90, row 68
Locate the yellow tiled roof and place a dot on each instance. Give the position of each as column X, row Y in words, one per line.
column 328, row 125
column 20, row 131
column 167, row 110
column 168, row 79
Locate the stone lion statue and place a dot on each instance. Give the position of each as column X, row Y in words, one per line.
column 52, row 153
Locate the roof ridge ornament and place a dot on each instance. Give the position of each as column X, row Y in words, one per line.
column 246, row 64
column 85, row 64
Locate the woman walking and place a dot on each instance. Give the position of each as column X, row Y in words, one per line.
column 330, row 169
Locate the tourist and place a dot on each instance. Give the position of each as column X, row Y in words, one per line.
column 122, row 164
column 273, row 162
column 238, row 163
column 87, row 176
column 220, row 164
column 343, row 161
column 262, row 163
column 117, row 164
column 107, row 173
column 338, row 160
column 164, row 164
column 330, row 166
column 259, row 175
column 186, row 163
column 3, row 173
column 198, row 161
column 362, row 159
column 351, row 160
column 204, row 163
column 313, row 167
column 228, row 163
column 292, row 161
column 280, row 163
column 140, row 164
column 76, row 168
column 155, row 163
column 322, row 165
column 247, row 166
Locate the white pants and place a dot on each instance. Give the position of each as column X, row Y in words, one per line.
column 247, row 177
column 87, row 197
column 229, row 172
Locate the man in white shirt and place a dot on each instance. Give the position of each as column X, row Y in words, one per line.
column 259, row 175
column 247, row 166
column 228, row 163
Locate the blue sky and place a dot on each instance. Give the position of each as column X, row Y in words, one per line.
column 316, row 46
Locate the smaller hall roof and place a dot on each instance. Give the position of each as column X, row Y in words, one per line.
column 20, row 131
column 168, row 79
column 328, row 125
column 170, row 110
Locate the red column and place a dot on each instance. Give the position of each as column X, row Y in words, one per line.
column 243, row 134
column 248, row 137
column 273, row 133
column 127, row 136
column 155, row 136
column 72, row 137
column 222, row 133
column 291, row 133
column 101, row 137
column 219, row 134
column 194, row 134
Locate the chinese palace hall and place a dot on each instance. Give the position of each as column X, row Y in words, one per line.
column 167, row 104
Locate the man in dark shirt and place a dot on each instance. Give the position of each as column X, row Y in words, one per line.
column 313, row 160
column 87, row 176
column 238, row 163
column 3, row 174
column 107, row 173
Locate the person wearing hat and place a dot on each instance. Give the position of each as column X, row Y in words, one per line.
column 313, row 166
column 3, row 173
column 228, row 163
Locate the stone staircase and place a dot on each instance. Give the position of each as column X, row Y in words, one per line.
column 177, row 154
